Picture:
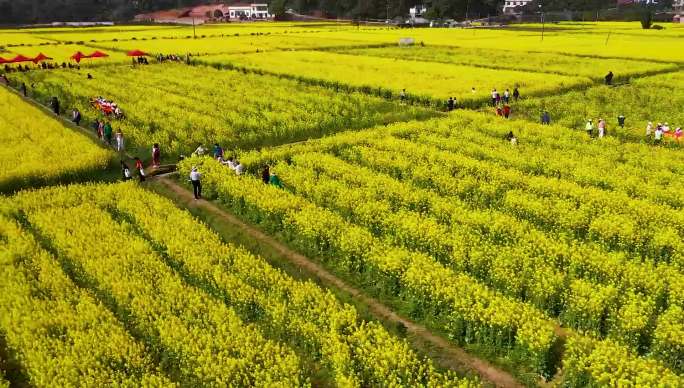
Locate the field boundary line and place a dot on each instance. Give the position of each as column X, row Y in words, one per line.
column 451, row 356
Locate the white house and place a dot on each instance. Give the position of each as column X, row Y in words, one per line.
column 248, row 11
column 511, row 5
column 417, row 11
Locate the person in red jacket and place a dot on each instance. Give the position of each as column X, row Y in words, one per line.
column 506, row 110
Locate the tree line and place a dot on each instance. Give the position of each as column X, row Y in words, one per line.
column 43, row 11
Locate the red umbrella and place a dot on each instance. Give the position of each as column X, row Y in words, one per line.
column 136, row 53
column 40, row 57
column 97, row 54
column 78, row 56
column 20, row 58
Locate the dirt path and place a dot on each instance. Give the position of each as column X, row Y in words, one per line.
column 450, row 356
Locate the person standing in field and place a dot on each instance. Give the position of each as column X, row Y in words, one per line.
column 119, row 141
column 239, row 168
column 195, row 177
column 499, row 111
column 450, row 104
column 402, row 95
column 218, row 151
column 658, row 135
column 23, row 89
column 141, row 170
column 75, row 116
column 506, row 96
column 649, row 129
column 506, row 110
column 108, row 133
column 54, row 104
column 545, row 118
column 495, row 97
column 125, row 171
column 516, row 94
column 275, row 181
column 589, row 127
column 266, row 174
column 621, row 121
column 96, row 128
column 156, row 155
column 609, row 78
column 601, row 128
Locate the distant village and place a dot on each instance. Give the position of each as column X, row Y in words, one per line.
column 259, row 11
column 207, row 13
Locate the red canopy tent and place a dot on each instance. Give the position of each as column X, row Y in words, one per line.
column 97, row 54
column 20, row 58
column 3, row 60
column 40, row 57
column 78, row 56
column 136, row 53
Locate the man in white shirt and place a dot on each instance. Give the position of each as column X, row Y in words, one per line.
column 239, row 168
column 199, row 151
column 658, row 134
column 230, row 163
column 195, row 177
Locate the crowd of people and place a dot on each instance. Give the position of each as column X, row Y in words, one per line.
column 502, row 101
column 107, row 107
column 42, row 66
column 660, row 131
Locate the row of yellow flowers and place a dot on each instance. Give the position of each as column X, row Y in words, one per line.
column 58, row 330
column 505, row 253
column 284, row 315
column 469, row 310
column 38, row 150
column 181, row 107
column 431, row 287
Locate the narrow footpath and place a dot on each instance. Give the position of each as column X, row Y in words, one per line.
column 449, row 356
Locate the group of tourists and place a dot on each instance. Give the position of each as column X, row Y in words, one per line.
column 501, row 101
column 126, row 172
column 106, row 134
column 658, row 132
column 268, row 176
column 107, row 107
column 42, row 66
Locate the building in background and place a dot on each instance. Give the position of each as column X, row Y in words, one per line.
column 203, row 13
column 512, row 6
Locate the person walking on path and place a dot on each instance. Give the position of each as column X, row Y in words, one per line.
column 108, row 133
column 141, row 170
column 125, row 171
column 506, row 110
column 96, row 128
column 506, row 96
column 495, row 97
column 76, row 116
column 23, row 89
column 589, row 127
column 195, row 177
column 119, row 141
column 516, row 94
column 621, row 121
column 54, row 104
column 275, row 181
column 266, row 174
column 609, row 78
column 156, row 155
